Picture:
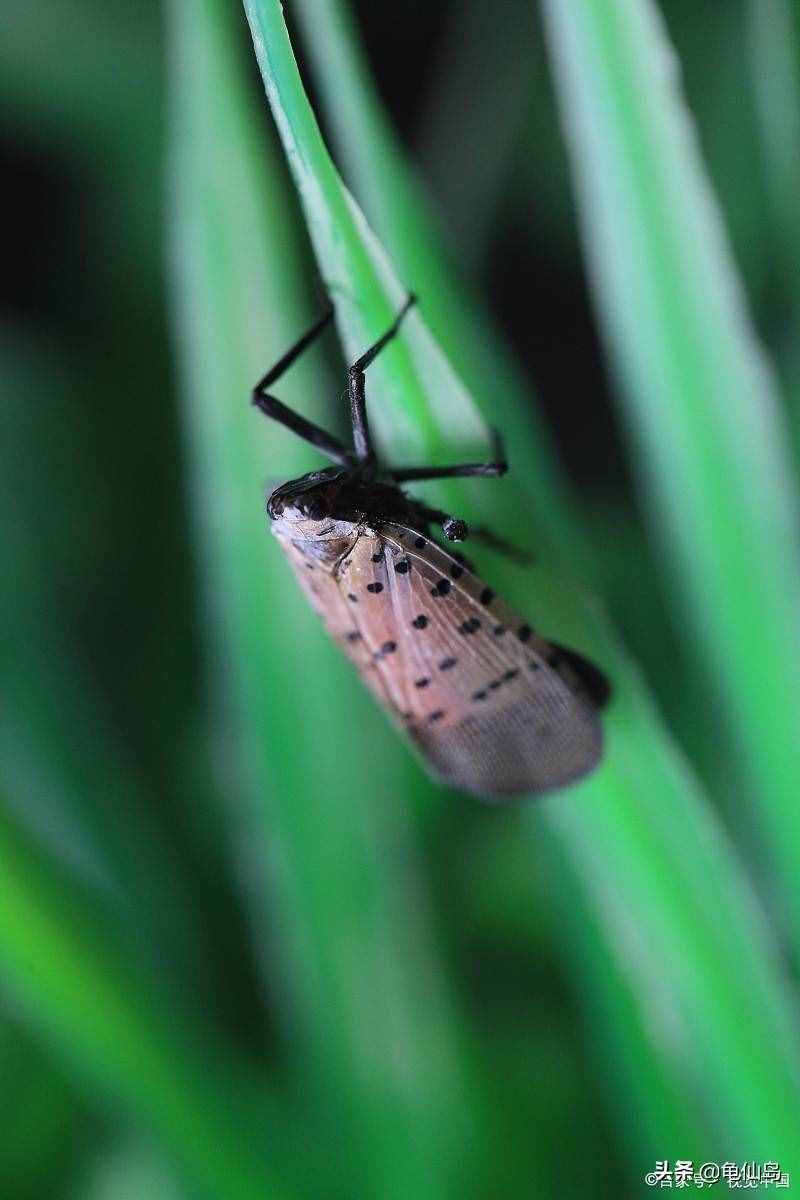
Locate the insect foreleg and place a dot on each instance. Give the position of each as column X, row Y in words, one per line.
column 270, row 406
column 356, row 389
column 283, row 364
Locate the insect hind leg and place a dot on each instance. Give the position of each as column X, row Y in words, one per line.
column 498, row 466
column 271, row 407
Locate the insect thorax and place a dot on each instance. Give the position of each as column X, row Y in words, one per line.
column 322, row 514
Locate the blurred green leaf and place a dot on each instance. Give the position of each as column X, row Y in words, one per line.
column 712, row 51
column 58, row 69
column 773, row 29
column 699, row 397
column 364, row 1009
column 129, row 1169
column 66, row 773
column 62, row 968
column 478, row 51
column 45, row 1131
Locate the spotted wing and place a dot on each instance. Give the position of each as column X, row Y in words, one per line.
column 355, row 618
column 495, row 708
column 492, row 707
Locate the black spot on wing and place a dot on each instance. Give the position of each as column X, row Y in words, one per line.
column 501, row 711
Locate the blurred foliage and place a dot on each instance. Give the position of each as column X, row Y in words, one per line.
column 243, row 950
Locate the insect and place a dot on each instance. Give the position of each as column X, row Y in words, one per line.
column 492, row 707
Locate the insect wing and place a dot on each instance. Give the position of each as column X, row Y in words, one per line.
column 332, row 596
column 495, row 709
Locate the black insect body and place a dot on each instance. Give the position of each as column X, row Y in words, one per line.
column 493, row 708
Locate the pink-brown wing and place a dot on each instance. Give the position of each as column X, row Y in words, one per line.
column 338, row 596
column 497, row 709
column 492, row 707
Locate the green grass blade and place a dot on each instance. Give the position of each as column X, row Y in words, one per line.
column 59, row 966
column 774, row 40
column 625, row 831
column 394, row 200
column 371, row 1031
column 44, row 1138
column 773, row 30
column 699, row 398
column 491, row 122
column 112, row 55
column 129, row 1169
column 62, row 764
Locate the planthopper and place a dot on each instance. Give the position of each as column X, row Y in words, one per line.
column 492, row 707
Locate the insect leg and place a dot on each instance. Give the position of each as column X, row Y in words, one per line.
column 272, row 407
column 453, row 528
column 358, row 405
column 498, row 466
column 405, row 474
column 283, row 364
